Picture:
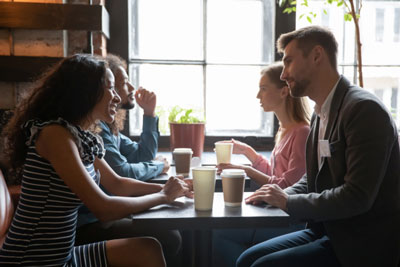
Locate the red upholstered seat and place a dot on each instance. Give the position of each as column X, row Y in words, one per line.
column 6, row 209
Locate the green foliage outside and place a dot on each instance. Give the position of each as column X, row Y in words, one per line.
column 353, row 9
column 291, row 7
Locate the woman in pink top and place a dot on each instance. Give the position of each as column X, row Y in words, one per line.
column 285, row 167
column 287, row 164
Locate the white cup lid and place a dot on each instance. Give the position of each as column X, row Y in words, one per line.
column 183, row 150
column 204, row 168
column 233, row 173
column 223, row 144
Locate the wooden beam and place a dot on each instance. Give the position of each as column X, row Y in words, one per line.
column 54, row 17
column 24, row 69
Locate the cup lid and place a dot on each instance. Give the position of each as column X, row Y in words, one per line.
column 183, row 150
column 234, row 173
column 219, row 143
column 204, row 168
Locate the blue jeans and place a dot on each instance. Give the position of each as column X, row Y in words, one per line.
column 228, row 244
column 302, row 248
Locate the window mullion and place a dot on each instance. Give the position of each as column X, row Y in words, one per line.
column 205, row 59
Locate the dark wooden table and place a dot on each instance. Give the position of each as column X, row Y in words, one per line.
column 209, row 159
column 181, row 215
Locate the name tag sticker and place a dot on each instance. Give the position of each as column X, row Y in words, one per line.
column 324, row 149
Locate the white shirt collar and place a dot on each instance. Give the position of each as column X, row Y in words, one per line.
column 323, row 112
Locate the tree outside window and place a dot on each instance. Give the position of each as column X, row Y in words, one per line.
column 381, row 59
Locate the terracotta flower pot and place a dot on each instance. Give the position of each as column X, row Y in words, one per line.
column 190, row 135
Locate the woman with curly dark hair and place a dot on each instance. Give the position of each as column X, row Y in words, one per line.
column 59, row 160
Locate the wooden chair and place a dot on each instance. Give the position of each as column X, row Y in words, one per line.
column 6, row 209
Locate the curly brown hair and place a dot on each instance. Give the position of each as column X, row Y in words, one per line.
column 69, row 90
column 115, row 62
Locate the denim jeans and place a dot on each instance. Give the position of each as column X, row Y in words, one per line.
column 227, row 245
column 302, row 248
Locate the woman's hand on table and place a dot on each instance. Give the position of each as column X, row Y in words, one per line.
column 189, row 183
column 271, row 194
column 174, row 188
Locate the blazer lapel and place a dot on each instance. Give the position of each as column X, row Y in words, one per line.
column 334, row 111
column 312, row 153
column 336, row 104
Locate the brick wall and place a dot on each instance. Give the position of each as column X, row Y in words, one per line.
column 49, row 43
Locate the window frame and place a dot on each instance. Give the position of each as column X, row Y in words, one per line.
column 119, row 14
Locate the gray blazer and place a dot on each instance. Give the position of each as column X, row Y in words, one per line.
column 355, row 195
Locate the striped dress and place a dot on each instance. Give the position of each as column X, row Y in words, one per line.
column 42, row 232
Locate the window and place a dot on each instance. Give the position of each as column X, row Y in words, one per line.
column 379, row 24
column 381, row 59
column 205, row 55
column 396, row 25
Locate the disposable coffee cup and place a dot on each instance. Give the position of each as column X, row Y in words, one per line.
column 204, row 187
column 223, row 151
column 233, row 186
column 182, row 158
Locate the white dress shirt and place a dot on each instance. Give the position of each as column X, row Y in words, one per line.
column 323, row 114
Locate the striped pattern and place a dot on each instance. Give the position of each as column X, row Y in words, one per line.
column 42, row 232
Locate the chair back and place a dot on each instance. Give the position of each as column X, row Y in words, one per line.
column 6, row 209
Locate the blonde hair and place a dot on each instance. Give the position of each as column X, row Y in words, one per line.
column 296, row 107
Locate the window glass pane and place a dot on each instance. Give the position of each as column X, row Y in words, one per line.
column 232, row 106
column 379, row 20
column 173, row 84
column 382, row 49
column 236, row 30
column 396, row 25
column 384, row 82
column 170, row 29
column 236, row 33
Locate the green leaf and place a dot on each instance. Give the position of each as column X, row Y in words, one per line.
column 347, row 17
column 325, row 12
column 180, row 115
column 309, row 19
column 287, row 10
column 302, row 15
column 340, row 3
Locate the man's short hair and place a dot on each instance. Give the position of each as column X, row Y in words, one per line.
column 307, row 38
column 114, row 62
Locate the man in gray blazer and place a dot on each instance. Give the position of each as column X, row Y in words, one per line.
column 350, row 194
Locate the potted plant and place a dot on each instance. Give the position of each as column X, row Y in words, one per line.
column 186, row 129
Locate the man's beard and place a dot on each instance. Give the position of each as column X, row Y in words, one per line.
column 299, row 88
column 128, row 105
